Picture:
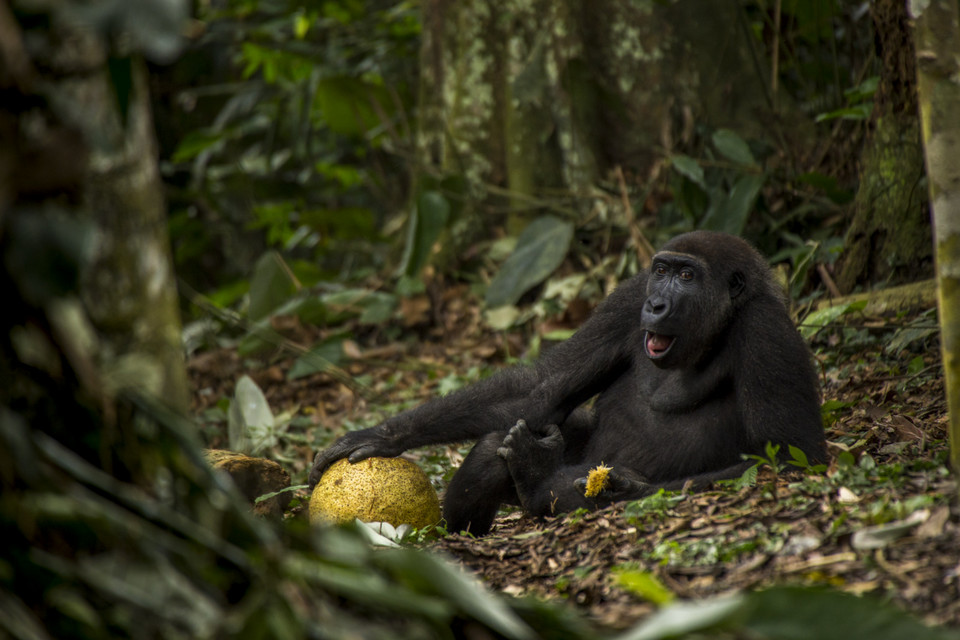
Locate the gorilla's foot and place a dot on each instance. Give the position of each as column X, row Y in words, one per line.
column 532, row 457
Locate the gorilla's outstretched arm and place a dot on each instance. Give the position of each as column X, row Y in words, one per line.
column 547, row 393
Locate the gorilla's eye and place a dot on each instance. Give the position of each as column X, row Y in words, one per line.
column 660, row 270
column 686, row 274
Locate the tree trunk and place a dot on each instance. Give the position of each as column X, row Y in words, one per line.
column 81, row 146
column 533, row 103
column 889, row 236
column 938, row 67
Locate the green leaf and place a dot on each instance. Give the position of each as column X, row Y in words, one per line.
column 428, row 574
column 689, row 168
column 644, row 584
column 863, row 91
column 907, row 335
column 250, row 422
column 541, row 248
column 301, row 24
column 373, row 307
column 916, row 366
column 429, row 219
column 343, row 224
column 378, row 308
column 817, row 320
column 267, row 496
column 558, row 335
column 683, row 618
column 856, row 112
column 797, row 613
column 271, row 285
column 260, row 337
column 310, row 309
column 321, row 357
column 733, row 147
column 799, row 458
column 731, row 213
column 829, row 185
column 787, row 613
column 345, row 104
column 195, row 143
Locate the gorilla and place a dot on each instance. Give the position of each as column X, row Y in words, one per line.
column 692, row 364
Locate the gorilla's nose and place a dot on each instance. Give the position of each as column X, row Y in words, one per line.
column 655, row 308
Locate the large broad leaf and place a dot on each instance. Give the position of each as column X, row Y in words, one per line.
column 684, row 618
column 817, row 320
column 431, row 575
column 346, row 104
column 733, row 147
column 321, row 357
column 373, row 307
column 540, row 249
column 250, row 424
column 690, row 168
column 427, row 222
column 271, row 285
column 797, row 613
column 785, row 613
column 730, row 214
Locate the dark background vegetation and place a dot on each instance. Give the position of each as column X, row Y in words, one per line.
column 367, row 204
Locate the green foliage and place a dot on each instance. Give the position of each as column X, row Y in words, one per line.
column 859, row 102
column 251, row 426
column 747, row 479
column 321, row 357
column 300, row 135
column 799, row 459
column 652, row 507
column 785, row 613
column 427, row 221
column 540, row 249
column 644, row 584
column 923, row 328
column 722, row 547
column 769, row 458
column 270, row 286
column 717, row 192
column 817, row 320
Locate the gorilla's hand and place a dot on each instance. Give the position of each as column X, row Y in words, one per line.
column 356, row 446
column 620, row 486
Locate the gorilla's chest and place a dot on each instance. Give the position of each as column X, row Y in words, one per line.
column 666, row 421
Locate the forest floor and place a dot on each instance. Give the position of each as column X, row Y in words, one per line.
column 883, row 520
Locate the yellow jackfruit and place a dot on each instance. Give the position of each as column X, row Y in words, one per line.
column 390, row 490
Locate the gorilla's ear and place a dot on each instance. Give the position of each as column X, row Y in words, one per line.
column 737, row 284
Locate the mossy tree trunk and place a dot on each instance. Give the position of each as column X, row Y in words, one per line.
column 531, row 103
column 130, row 290
column 889, row 236
column 938, row 66
column 79, row 147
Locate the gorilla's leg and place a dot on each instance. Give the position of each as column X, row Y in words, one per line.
column 484, row 483
column 576, row 431
column 532, row 456
column 478, row 489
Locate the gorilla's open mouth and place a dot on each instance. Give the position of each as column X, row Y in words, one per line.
column 657, row 345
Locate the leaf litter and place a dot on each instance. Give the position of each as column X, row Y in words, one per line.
column 882, row 521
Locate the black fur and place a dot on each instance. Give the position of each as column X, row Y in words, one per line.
column 693, row 363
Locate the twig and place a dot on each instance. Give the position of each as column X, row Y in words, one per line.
column 643, row 246
column 828, row 282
